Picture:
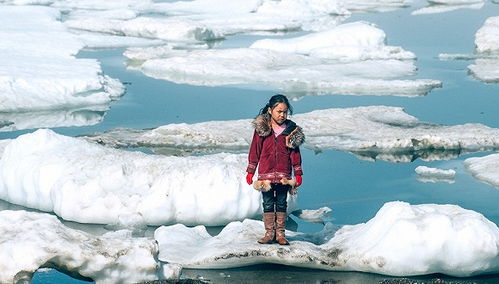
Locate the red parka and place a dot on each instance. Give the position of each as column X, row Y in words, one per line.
column 276, row 157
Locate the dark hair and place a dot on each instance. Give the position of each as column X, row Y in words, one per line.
column 273, row 101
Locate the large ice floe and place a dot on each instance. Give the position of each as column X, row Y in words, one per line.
column 39, row 72
column 402, row 239
column 442, row 6
column 486, row 56
column 88, row 183
column 349, row 59
column 373, row 132
column 485, row 168
column 29, row 241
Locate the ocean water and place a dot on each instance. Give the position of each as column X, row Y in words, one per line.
column 354, row 188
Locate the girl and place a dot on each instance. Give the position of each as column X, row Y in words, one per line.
column 275, row 150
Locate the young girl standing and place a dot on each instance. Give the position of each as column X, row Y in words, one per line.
column 275, row 150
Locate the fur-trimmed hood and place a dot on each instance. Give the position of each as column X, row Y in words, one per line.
column 294, row 133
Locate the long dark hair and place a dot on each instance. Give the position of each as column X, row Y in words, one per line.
column 273, row 101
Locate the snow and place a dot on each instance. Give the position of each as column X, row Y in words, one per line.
column 348, row 59
column 29, row 241
column 372, row 132
column 485, row 168
column 39, row 70
column 401, row 240
column 427, row 174
column 88, row 183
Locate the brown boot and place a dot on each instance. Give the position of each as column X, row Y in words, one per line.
column 281, row 228
column 269, row 223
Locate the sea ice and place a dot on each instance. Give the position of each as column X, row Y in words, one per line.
column 485, row 168
column 442, row 6
column 30, row 240
column 427, row 174
column 39, row 70
column 348, row 59
column 401, row 240
column 88, row 183
column 372, row 132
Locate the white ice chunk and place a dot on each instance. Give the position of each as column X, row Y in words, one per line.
column 51, row 118
column 368, row 131
column 487, row 37
column 29, row 241
column 401, row 240
column 441, row 7
column 38, row 70
column 352, row 41
column 485, row 168
column 88, row 183
column 486, row 69
column 313, row 216
column 427, row 174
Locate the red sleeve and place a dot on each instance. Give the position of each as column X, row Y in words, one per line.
column 296, row 161
column 254, row 153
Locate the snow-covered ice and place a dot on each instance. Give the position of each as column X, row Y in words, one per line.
column 38, row 70
column 88, row 183
column 427, row 174
column 313, row 216
column 29, row 241
column 372, row 132
column 348, row 59
column 485, row 168
column 402, row 240
column 442, row 6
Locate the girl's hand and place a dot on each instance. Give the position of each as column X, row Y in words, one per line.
column 249, row 178
column 299, row 180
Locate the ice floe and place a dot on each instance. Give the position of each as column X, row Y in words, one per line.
column 427, row 174
column 401, row 240
column 486, row 56
column 348, row 59
column 485, row 168
column 442, row 6
column 313, row 216
column 88, row 183
column 373, row 132
column 29, row 241
column 38, row 69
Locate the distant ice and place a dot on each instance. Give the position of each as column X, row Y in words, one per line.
column 401, row 240
column 349, row 59
column 442, row 6
column 313, row 216
column 485, row 67
column 485, row 168
column 427, row 174
column 87, row 183
column 13, row 121
column 38, row 70
column 373, row 132
column 29, row 241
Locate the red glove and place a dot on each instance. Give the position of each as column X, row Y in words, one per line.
column 299, row 180
column 249, row 178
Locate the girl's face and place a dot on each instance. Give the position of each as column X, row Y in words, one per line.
column 279, row 113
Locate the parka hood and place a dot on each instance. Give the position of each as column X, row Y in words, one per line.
column 294, row 134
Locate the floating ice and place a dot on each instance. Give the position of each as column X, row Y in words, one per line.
column 313, row 216
column 486, row 56
column 427, row 174
column 29, row 241
column 87, row 183
column 372, row 132
column 39, row 70
column 402, row 240
column 442, row 6
column 485, row 168
column 51, row 118
column 349, row 59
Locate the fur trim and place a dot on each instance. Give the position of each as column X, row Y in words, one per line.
column 262, row 185
column 262, row 125
column 294, row 133
column 295, row 138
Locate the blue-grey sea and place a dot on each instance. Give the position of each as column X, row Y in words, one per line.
column 354, row 188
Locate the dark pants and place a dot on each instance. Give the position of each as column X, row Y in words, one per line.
column 274, row 200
